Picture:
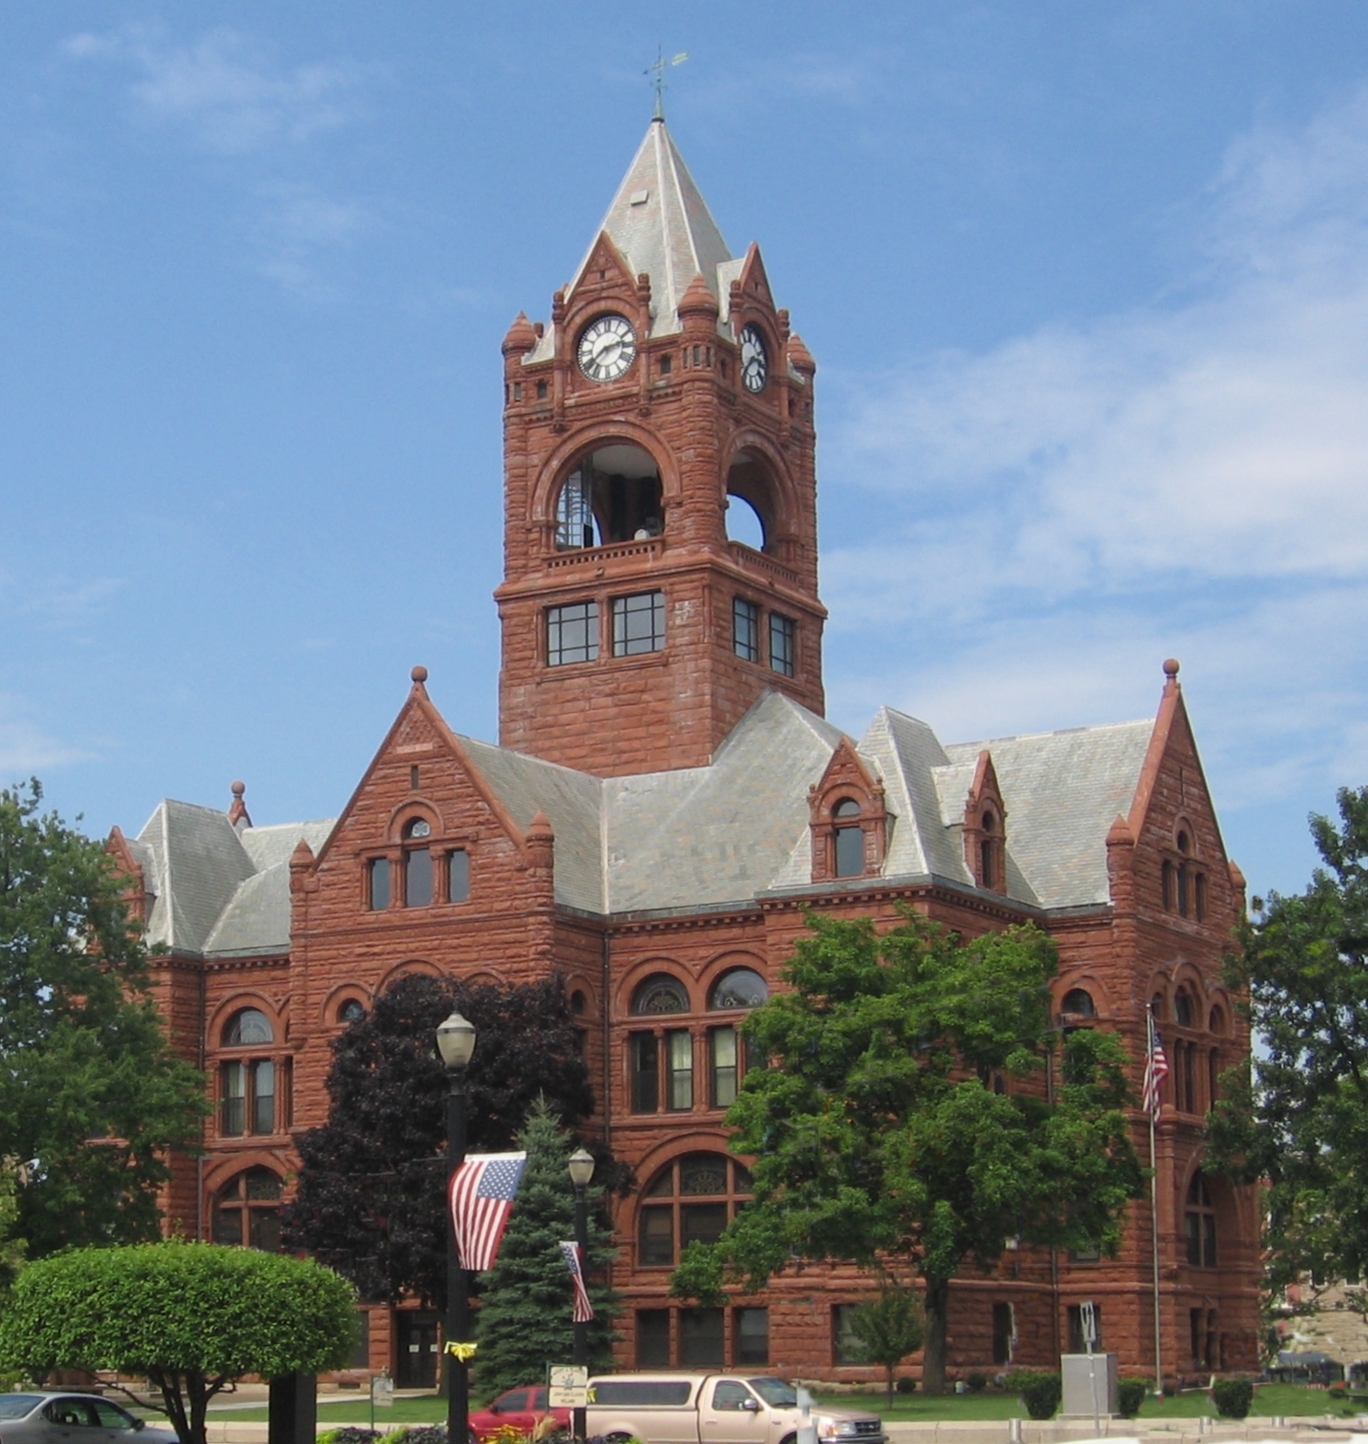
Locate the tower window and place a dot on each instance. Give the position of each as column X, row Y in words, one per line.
column 1199, row 1224
column 572, row 633
column 782, row 636
column 612, row 495
column 638, row 624
column 746, row 630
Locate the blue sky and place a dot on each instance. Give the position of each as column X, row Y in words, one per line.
column 1087, row 285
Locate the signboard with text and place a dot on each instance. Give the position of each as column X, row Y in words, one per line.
column 567, row 1386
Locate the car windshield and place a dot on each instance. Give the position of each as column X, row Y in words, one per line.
column 15, row 1406
column 775, row 1393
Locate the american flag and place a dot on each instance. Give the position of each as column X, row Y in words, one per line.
column 583, row 1310
column 1156, row 1070
column 480, row 1195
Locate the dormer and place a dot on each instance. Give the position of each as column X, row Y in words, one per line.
column 848, row 819
column 985, row 828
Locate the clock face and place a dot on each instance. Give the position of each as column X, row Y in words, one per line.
column 754, row 361
column 607, row 347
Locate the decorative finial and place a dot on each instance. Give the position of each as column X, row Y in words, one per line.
column 237, row 788
column 419, row 675
column 237, row 813
column 1171, row 669
column 658, row 70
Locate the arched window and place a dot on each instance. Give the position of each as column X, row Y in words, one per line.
column 1157, row 1006
column 247, row 1028
column 695, row 1197
column 247, row 1210
column 738, row 988
column 1199, row 1224
column 351, row 1011
column 1183, row 1011
column 612, row 495
column 850, row 861
column 1079, row 1001
column 660, row 993
column 1216, row 1021
column 417, row 863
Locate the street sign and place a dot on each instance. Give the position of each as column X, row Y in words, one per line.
column 382, row 1391
column 567, row 1386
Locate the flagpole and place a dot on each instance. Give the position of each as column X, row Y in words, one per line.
column 1154, row 1205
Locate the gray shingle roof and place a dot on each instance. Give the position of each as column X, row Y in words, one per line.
column 702, row 837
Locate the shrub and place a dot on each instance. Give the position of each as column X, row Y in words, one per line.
column 906, row 1385
column 977, row 1382
column 348, row 1434
column 1131, row 1395
column 1233, row 1397
column 1039, row 1390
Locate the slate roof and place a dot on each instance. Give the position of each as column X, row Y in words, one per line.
column 701, row 838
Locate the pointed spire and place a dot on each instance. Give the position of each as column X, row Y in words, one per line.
column 661, row 224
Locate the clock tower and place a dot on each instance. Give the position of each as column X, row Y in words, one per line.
column 660, row 505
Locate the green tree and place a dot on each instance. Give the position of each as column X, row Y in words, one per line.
column 525, row 1319
column 91, row 1096
column 190, row 1317
column 12, row 1247
column 1300, row 1120
column 889, row 1327
column 879, row 1134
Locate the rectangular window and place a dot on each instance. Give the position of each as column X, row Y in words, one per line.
column 360, row 1353
column 700, row 1338
column 458, row 877
column 656, row 1236
column 783, row 634
column 572, row 634
column 418, row 877
column 1004, row 1333
column 701, row 1222
column 263, row 1096
column 233, row 1100
column 750, row 1337
column 722, row 1066
column 644, row 1053
column 638, row 624
column 680, row 1054
column 746, row 630
column 653, row 1338
column 1199, row 895
column 378, row 870
column 845, row 1348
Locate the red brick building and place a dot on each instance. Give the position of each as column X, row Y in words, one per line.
column 665, row 799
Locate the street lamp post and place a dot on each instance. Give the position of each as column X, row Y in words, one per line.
column 581, row 1171
column 456, row 1042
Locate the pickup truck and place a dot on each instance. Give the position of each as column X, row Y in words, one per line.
column 705, row 1408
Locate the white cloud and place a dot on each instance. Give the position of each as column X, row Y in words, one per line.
column 297, row 225
column 25, row 748
column 224, row 90
column 1191, row 477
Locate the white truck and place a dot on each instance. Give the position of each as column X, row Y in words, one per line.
column 706, row 1408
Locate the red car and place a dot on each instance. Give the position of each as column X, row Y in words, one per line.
column 522, row 1408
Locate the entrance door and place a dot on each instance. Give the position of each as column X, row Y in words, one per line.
column 416, row 1337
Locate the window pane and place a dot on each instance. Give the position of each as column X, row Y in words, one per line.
column 379, row 883
column 660, row 994
column 360, row 1354
column 227, row 1224
column 1193, row 1230
column 417, row 877
column 458, row 876
column 849, row 852
column 844, row 1348
column 782, row 630
column 1209, row 1241
column 572, row 633
column 701, row 1221
column 653, row 1338
column 1003, row 1331
column 574, row 514
column 263, row 1096
column 739, row 988
column 746, row 630
column 700, row 1337
column 250, row 1025
column 722, row 1042
column 657, row 1235
column 645, row 1073
column 681, row 1070
column 703, row 1173
column 752, row 1336
column 638, row 624
column 265, row 1223
column 262, row 1184
column 232, row 1114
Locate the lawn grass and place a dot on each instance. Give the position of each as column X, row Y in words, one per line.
column 1292, row 1400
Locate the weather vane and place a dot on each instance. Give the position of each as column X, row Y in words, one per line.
column 658, row 70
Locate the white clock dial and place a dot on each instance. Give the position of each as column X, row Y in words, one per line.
column 607, row 347
column 754, row 361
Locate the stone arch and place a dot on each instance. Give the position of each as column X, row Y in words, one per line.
column 757, row 475
column 410, row 809
column 644, row 968
column 1087, row 983
column 404, row 969
column 553, row 476
column 248, row 998
column 336, row 998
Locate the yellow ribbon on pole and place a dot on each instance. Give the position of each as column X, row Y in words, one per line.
column 464, row 1352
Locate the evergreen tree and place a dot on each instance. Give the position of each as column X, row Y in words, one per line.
column 525, row 1319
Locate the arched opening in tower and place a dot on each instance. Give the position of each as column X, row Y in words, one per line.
column 612, row 494
column 750, row 503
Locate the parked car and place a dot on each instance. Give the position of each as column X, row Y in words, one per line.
column 50, row 1417
column 716, row 1409
column 522, row 1408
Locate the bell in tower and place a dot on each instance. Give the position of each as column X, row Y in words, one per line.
column 665, row 402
